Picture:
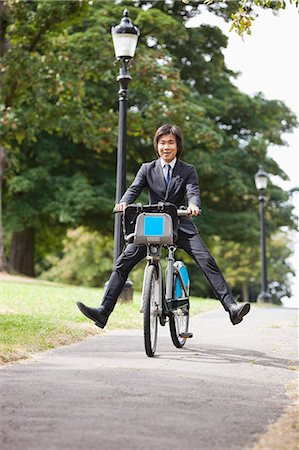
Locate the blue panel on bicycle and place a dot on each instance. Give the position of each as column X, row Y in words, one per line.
column 153, row 226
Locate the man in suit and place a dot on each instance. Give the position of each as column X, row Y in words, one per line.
column 168, row 179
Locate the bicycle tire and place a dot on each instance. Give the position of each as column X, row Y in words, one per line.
column 150, row 310
column 178, row 324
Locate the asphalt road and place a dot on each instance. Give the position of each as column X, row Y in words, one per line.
column 218, row 393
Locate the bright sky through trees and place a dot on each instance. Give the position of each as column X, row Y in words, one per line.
column 268, row 60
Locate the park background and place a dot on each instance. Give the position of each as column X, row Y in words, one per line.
column 67, row 212
column 273, row 48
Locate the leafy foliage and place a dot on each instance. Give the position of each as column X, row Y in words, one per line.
column 59, row 119
column 87, row 259
column 242, row 265
column 240, row 12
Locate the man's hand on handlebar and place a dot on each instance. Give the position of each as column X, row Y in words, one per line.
column 193, row 210
column 120, row 207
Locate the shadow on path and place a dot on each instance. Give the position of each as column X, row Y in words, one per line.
column 227, row 355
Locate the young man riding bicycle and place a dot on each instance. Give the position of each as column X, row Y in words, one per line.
column 167, row 179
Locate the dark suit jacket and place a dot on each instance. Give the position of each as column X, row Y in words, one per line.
column 183, row 188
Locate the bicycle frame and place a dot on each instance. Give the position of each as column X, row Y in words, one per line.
column 153, row 257
column 165, row 303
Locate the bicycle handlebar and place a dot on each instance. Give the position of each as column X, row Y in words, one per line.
column 180, row 212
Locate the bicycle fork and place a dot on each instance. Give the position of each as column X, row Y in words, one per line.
column 169, row 273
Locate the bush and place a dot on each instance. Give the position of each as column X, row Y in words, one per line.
column 87, row 259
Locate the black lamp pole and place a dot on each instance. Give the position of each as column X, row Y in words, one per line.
column 124, row 79
column 261, row 180
column 125, row 37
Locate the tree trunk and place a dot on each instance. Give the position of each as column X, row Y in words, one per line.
column 4, row 45
column 3, row 162
column 245, row 292
column 22, row 251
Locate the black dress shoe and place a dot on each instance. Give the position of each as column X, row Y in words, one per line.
column 98, row 315
column 237, row 312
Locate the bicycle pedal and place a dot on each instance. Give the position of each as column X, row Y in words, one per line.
column 186, row 335
column 182, row 312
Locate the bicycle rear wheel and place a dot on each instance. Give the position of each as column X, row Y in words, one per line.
column 179, row 324
column 150, row 309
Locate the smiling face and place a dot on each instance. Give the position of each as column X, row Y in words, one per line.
column 167, row 147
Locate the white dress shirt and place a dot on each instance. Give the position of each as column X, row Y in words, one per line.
column 164, row 168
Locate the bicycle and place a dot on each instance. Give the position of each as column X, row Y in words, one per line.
column 156, row 226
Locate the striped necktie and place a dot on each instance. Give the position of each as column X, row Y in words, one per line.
column 167, row 173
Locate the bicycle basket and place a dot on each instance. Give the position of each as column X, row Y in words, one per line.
column 150, row 230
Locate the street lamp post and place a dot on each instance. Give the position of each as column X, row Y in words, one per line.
column 125, row 37
column 261, row 182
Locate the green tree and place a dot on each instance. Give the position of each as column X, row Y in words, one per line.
column 87, row 259
column 179, row 75
column 241, row 13
column 242, row 266
column 53, row 94
column 70, row 98
column 56, row 184
column 227, row 133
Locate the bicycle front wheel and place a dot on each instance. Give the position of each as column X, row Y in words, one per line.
column 179, row 324
column 150, row 309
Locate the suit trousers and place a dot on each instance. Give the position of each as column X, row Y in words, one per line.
column 192, row 244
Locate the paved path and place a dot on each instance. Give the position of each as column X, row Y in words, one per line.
column 218, row 393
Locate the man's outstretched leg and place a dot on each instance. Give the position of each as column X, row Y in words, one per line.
column 101, row 314
column 124, row 264
column 196, row 248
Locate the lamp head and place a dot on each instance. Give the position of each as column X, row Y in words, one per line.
column 125, row 37
column 261, row 179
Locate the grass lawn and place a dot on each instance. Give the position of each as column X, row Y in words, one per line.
column 39, row 316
